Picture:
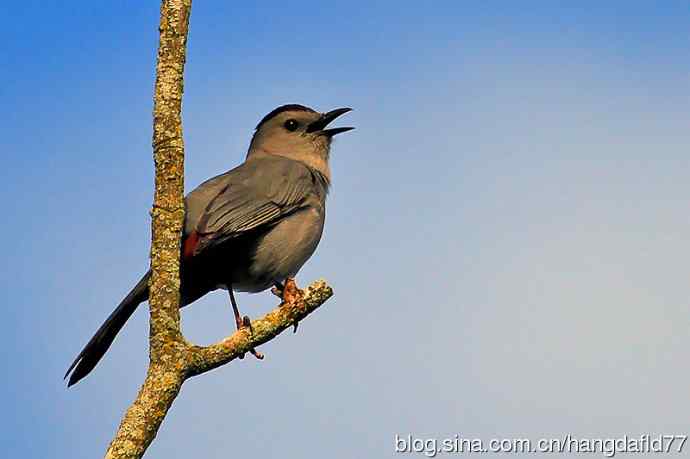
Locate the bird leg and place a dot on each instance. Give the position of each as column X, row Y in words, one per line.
column 242, row 322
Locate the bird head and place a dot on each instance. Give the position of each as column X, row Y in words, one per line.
column 299, row 133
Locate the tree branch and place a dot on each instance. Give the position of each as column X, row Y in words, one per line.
column 171, row 359
column 166, row 345
column 203, row 359
column 143, row 418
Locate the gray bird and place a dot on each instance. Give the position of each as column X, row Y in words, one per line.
column 250, row 228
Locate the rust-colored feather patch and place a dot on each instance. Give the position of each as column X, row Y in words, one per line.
column 190, row 244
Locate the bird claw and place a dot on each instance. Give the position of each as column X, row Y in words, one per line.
column 247, row 323
column 291, row 293
column 257, row 354
column 242, row 322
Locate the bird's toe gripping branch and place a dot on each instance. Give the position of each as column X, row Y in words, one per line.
column 202, row 359
column 243, row 322
column 291, row 294
column 247, row 323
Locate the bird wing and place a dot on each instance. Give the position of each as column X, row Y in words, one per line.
column 254, row 195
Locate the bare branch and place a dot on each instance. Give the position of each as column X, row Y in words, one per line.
column 143, row 418
column 166, row 345
column 203, row 359
column 168, row 155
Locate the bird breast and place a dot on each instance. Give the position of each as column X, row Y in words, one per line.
column 283, row 250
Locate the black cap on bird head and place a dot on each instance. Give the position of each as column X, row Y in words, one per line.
column 281, row 109
column 297, row 132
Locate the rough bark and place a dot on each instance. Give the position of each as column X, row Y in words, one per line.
column 166, row 345
column 171, row 359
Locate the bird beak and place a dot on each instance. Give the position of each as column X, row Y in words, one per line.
column 325, row 119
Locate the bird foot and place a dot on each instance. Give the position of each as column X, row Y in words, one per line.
column 242, row 322
column 245, row 322
column 257, row 354
column 289, row 293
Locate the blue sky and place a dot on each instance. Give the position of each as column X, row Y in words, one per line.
column 506, row 235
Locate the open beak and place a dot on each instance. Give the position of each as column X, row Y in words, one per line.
column 326, row 118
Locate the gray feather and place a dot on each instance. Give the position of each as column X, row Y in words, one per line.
column 256, row 194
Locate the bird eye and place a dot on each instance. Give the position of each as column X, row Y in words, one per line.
column 291, row 125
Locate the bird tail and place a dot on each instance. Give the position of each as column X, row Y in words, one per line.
column 103, row 338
